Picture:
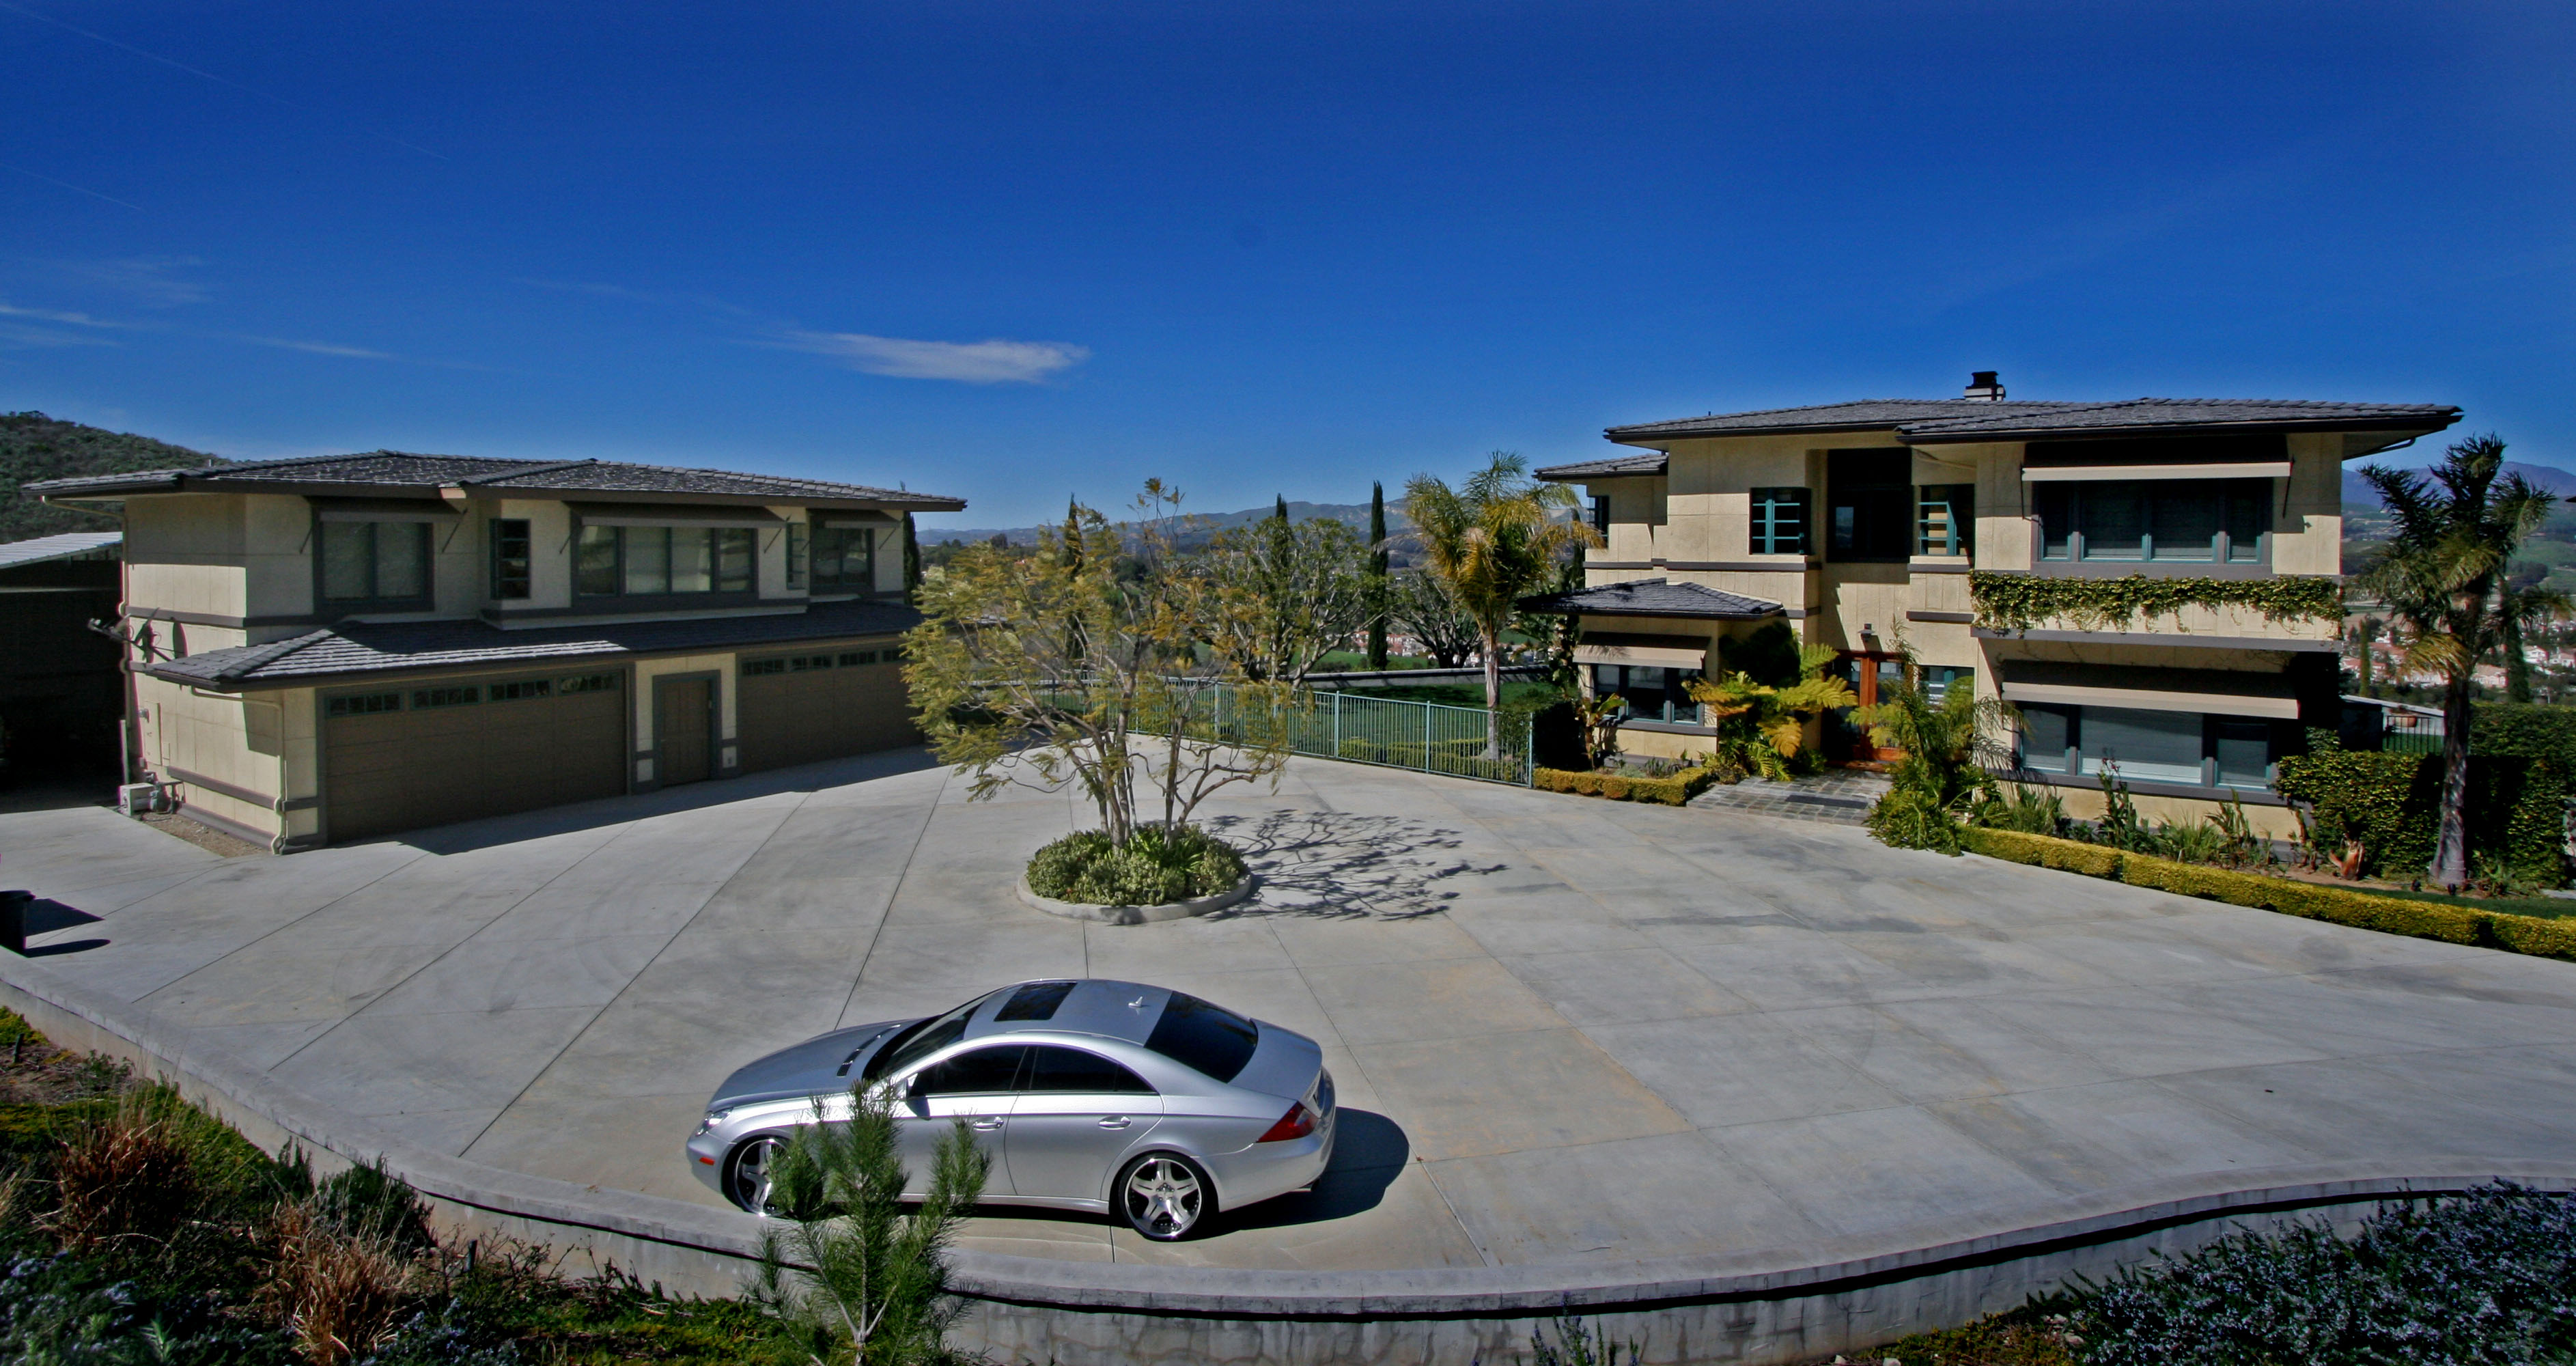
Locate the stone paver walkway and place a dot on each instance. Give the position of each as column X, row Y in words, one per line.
column 1565, row 1029
column 1837, row 796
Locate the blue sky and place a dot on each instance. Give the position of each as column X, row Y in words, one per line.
column 1016, row 251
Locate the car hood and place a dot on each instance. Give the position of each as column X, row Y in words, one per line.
column 811, row 1068
column 1283, row 1064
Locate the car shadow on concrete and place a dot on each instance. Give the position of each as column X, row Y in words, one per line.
column 561, row 820
column 1341, row 865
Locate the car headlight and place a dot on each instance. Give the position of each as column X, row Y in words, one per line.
column 714, row 1118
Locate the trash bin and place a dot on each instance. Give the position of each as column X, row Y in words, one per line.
column 13, row 921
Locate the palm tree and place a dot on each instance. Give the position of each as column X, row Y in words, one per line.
column 1493, row 541
column 2441, row 576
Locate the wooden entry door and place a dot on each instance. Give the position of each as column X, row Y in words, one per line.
column 684, row 730
column 1866, row 671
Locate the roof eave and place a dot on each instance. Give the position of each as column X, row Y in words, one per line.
column 2422, row 426
column 1653, row 432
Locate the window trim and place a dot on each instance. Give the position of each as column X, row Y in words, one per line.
column 1762, row 529
column 2075, row 756
column 715, row 595
column 2222, row 543
column 492, row 566
column 814, row 581
column 1893, row 494
column 1960, row 540
column 426, row 600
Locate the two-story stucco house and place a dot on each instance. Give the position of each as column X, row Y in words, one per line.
column 1861, row 525
column 332, row 648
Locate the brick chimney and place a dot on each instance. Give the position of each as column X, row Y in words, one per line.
column 1983, row 387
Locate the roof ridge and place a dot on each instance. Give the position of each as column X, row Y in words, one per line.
column 275, row 650
column 555, row 468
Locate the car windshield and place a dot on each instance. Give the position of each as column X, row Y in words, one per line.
column 921, row 1039
column 1204, row 1036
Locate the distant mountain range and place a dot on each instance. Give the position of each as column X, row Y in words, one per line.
column 1356, row 514
column 2549, row 479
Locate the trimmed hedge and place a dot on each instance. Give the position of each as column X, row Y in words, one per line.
column 2420, row 919
column 2525, row 730
column 2392, row 803
column 1676, row 790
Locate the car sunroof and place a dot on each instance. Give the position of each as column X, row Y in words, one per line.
column 1036, row 1001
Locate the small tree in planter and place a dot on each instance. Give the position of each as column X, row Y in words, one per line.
column 1087, row 664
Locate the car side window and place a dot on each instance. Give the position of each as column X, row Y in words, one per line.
column 981, row 1071
column 1072, row 1069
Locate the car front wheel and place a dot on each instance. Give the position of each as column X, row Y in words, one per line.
column 753, row 1165
column 1165, row 1195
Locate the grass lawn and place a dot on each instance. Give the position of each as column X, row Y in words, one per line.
column 1342, row 660
column 1471, row 694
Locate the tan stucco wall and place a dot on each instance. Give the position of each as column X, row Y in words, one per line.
column 240, row 741
column 2271, row 822
column 186, row 554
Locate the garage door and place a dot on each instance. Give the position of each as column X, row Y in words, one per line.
column 399, row 758
column 821, row 704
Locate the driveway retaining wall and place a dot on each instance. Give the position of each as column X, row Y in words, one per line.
column 1781, row 1304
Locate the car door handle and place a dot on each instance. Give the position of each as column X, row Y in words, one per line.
column 1114, row 1122
column 983, row 1124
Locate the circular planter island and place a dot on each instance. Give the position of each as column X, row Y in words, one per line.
column 1136, row 915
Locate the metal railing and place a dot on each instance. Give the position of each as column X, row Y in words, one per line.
column 1425, row 737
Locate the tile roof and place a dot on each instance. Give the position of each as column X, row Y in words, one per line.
column 1653, row 598
column 419, row 646
column 2159, row 414
column 69, row 545
column 396, row 469
column 1931, row 421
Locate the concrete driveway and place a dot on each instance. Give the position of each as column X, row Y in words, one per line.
column 1564, row 1029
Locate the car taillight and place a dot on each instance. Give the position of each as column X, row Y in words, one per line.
column 1297, row 1123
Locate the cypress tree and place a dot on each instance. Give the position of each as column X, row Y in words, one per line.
column 911, row 559
column 1378, row 581
column 1282, row 513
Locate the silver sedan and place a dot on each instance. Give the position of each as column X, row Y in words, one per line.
column 1089, row 1095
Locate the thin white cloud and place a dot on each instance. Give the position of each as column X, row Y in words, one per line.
column 997, row 361
column 329, row 349
column 20, row 336
column 55, row 315
column 147, row 280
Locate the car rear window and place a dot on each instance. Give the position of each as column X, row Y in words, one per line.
column 1204, row 1036
column 1036, row 1001
column 1071, row 1069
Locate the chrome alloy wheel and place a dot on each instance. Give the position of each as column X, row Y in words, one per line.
column 1163, row 1196
column 752, row 1166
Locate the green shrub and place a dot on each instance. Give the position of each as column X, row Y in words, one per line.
column 1156, row 867
column 2392, row 804
column 1908, row 818
column 2523, row 730
column 2257, row 891
column 1674, row 790
column 369, row 1202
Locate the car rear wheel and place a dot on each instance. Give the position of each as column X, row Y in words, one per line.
column 1165, row 1195
column 748, row 1184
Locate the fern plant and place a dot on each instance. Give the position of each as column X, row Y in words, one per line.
column 1762, row 728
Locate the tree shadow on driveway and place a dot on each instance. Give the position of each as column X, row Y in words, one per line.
column 1345, row 866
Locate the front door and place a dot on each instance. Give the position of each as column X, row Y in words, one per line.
column 684, row 730
column 974, row 1086
column 1871, row 673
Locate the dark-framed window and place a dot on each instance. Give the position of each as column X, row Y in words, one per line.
column 521, row 690
column 2192, row 748
column 852, row 658
column 1936, row 680
column 652, row 561
column 1652, row 693
column 1780, row 521
column 1601, row 515
column 756, row 668
column 582, row 683
column 362, row 704
column 796, row 554
column 1869, row 505
column 452, row 695
column 845, row 559
column 512, row 561
column 2201, row 521
column 1946, row 520
column 374, row 562
column 799, row 664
